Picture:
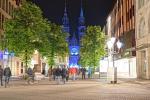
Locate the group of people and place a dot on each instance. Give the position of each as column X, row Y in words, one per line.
column 63, row 73
column 6, row 73
column 58, row 74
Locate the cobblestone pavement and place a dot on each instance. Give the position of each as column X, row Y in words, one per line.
column 77, row 90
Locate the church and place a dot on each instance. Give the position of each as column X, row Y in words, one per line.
column 74, row 40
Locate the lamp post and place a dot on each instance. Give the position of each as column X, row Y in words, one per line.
column 111, row 44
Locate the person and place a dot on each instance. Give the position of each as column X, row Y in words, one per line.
column 43, row 72
column 34, row 70
column 67, row 75
column 54, row 73
column 30, row 75
column 50, row 73
column 64, row 74
column 1, row 75
column 7, row 74
column 58, row 74
column 89, row 72
column 83, row 73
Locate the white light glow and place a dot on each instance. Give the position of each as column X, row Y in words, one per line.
column 113, row 39
column 119, row 44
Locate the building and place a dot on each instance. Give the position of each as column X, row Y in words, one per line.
column 143, row 38
column 15, row 63
column 6, row 11
column 74, row 38
column 121, row 25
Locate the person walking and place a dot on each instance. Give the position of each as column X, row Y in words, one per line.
column 58, row 74
column 54, row 73
column 67, row 75
column 83, row 73
column 50, row 73
column 30, row 75
column 1, row 75
column 7, row 74
column 64, row 74
column 89, row 72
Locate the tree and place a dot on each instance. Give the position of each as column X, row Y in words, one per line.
column 56, row 44
column 29, row 31
column 92, row 49
column 25, row 32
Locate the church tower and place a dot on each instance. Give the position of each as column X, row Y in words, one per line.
column 74, row 39
column 74, row 51
column 81, row 23
column 65, row 21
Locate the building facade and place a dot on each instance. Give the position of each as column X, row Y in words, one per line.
column 6, row 11
column 143, row 38
column 74, row 38
column 121, row 25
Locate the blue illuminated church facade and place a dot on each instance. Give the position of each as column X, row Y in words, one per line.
column 74, row 38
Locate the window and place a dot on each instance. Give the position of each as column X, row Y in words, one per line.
column 3, row 19
column 140, row 3
column 133, row 10
column 3, row 5
column 7, row 6
column 142, row 27
column 0, row 20
column 149, row 23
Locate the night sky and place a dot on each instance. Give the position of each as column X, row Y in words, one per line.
column 95, row 11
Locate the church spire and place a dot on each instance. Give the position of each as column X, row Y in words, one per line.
column 81, row 18
column 65, row 11
column 81, row 23
column 65, row 19
column 81, row 11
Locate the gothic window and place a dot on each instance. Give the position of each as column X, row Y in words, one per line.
column 140, row 3
column 142, row 28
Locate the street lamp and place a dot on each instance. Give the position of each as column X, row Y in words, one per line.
column 111, row 44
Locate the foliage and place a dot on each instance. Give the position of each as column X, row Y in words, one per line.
column 56, row 44
column 92, row 49
column 25, row 32
column 29, row 31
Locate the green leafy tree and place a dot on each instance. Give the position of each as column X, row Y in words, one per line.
column 25, row 32
column 92, row 49
column 56, row 44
